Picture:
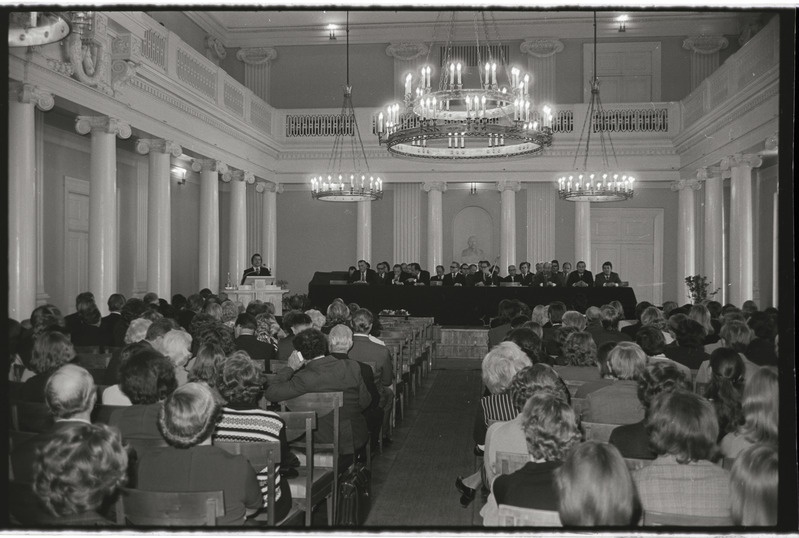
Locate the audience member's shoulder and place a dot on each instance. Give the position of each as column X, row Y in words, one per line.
column 376, row 340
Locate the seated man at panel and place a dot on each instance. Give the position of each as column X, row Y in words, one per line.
column 379, row 358
column 564, row 274
column 526, row 277
column 418, row 276
column 294, row 322
column 557, row 276
column 247, row 341
column 607, row 278
column 455, row 277
column 398, row 276
column 439, row 276
column 513, row 276
column 472, row 275
column 580, row 278
column 70, row 395
column 485, row 277
column 257, row 268
column 538, row 268
column 546, row 278
column 364, row 275
column 383, row 274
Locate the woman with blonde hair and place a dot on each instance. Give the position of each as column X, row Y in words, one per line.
column 540, row 314
column 579, row 352
column 230, row 311
column 137, row 330
column 572, row 318
column 177, row 348
column 761, row 413
column 753, row 486
column 595, row 488
column 618, row 403
column 653, row 317
column 700, row 314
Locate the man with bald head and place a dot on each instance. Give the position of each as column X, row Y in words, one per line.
column 70, row 395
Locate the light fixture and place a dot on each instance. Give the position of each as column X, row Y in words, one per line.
column 496, row 119
column 179, row 174
column 355, row 184
column 622, row 20
column 473, row 188
column 37, row 28
column 601, row 184
column 331, row 28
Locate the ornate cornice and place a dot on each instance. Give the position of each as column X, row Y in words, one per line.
column 206, row 165
column 440, row 186
column 30, row 94
column 508, row 185
column 256, row 55
column 158, row 145
column 705, row 44
column 214, row 49
column 407, row 50
column 541, row 48
column 103, row 124
column 682, row 184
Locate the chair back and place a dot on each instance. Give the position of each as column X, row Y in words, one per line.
column 510, row 462
column 513, row 516
column 598, row 431
column 263, row 456
column 573, row 386
column 682, row 520
column 169, row 509
column 24, row 507
column 31, row 417
column 93, row 361
column 102, row 413
column 142, row 445
column 579, row 405
column 16, row 438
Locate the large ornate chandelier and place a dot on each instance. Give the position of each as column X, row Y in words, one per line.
column 602, row 183
column 495, row 119
column 355, row 184
column 32, row 28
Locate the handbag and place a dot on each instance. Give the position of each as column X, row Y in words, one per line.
column 354, row 496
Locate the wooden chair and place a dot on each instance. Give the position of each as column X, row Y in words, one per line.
column 264, row 455
column 597, row 431
column 682, row 520
column 634, row 464
column 24, row 507
column 323, row 403
column 14, row 390
column 30, row 417
column 87, row 349
column 513, row 516
column 579, row 405
column 169, row 509
column 93, row 361
column 313, row 484
column 102, row 413
column 573, row 386
column 510, row 462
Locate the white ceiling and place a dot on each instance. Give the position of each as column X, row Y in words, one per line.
column 275, row 28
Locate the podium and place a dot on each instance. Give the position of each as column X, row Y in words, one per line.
column 260, row 291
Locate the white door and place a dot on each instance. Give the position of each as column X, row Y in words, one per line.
column 76, row 239
column 632, row 240
column 628, row 72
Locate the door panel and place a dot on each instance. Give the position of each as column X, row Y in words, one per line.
column 76, row 239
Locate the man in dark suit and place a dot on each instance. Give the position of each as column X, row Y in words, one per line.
column 383, row 274
column 557, row 276
column 247, row 341
column 546, row 278
column 70, row 395
column 312, row 369
column 486, row 277
column 580, row 278
column 294, row 322
column 418, row 276
column 526, row 277
column 115, row 303
column 364, row 274
column 455, row 277
column 398, row 277
column 84, row 300
column 607, row 278
column 439, row 276
column 513, row 276
column 257, row 268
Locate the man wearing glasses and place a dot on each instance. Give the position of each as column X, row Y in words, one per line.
column 455, row 277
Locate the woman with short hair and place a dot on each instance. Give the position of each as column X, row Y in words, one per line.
column 760, row 408
column 230, row 311
column 540, row 314
column 754, row 482
column 572, row 318
column 652, row 316
column 725, row 389
column 51, row 350
column 177, row 348
column 700, row 314
column 137, row 330
column 191, row 463
column 618, row 403
column 579, row 352
column 595, row 488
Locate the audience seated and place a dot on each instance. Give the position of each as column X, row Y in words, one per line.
column 337, row 312
column 540, row 315
column 43, row 319
column 530, row 343
column 595, row 488
column 240, row 382
column 605, row 374
column 555, row 312
column 653, row 317
column 245, row 327
column 204, row 367
column 632, row 440
column 85, row 331
column 725, row 389
column 551, row 430
column 556, row 347
column 176, row 346
column 683, row 480
column 700, row 314
column 631, row 330
column 51, row 350
column 77, row 472
column 572, row 318
column 294, row 322
column 653, row 344
column 191, row 463
column 760, row 408
column 737, row 335
column 83, row 301
column 761, row 350
column 689, row 349
column 113, row 395
column 579, row 353
column 618, row 403
column 753, row 486
column 609, row 330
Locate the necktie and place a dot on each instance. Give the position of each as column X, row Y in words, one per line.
column 258, row 271
column 363, row 276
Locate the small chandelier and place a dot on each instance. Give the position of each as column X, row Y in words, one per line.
column 356, row 184
column 449, row 121
column 602, row 184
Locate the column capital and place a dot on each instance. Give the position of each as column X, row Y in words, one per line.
column 208, row 165
column 440, row 186
column 740, row 159
column 705, row 44
column 407, row 50
column 239, row 175
column 267, row 186
column 689, row 183
column 541, row 47
column 508, row 185
column 256, row 55
column 158, row 145
column 773, row 142
column 30, row 94
column 103, row 124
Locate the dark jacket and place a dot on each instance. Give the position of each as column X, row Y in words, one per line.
column 450, row 280
column 575, row 277
column 257, row 350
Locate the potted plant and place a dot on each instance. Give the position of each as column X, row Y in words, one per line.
column 698, row 287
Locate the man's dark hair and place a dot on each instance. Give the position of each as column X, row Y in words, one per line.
column 362, row 321
column 159, row 328
column 246, row 321
column 763, row 325
column 254, row 309
column 83, row 298
column 150, row 298
column 640, row 307
column 660, row 376
column 205, row 293
column 528, row 341
column 311, row 343
column 252, row 258
column 147, row 377
column 689, row 333
column 195, row 302
column 651, row 340
column 211, row 333
column 132, row 309
column 179, row 301
column 556, row 310
column 518, row 321
column 115, row 302
column 294, row 318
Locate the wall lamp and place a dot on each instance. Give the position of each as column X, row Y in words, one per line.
column 622, row 20
column 331, row 28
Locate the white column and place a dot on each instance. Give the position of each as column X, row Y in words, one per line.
column 22, row 196
column 363, row 243
column 705, row 56
column 686, row 228
column 159, row 213
column 209, row 170
column 256, row 69
column 713, row 250
column 582, row 234
column 542, row 69
column 741, row 225
column 407, row 214
column 435, row 223
column 507, row 238
column 775, row 256
column 41, row 295
column 540, row 222
column 238, row 258
column 103, row 244
column 269, row 208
